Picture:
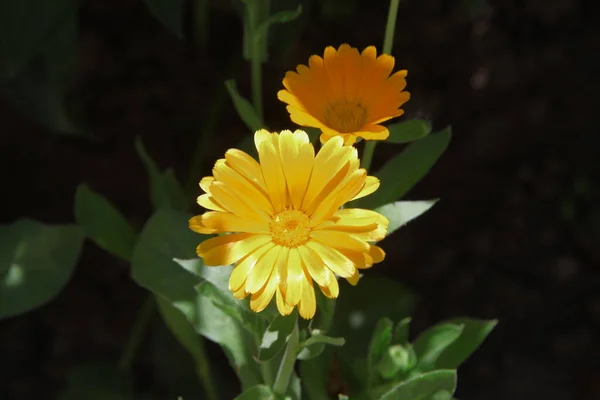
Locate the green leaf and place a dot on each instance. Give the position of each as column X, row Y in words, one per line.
column 276, row 336
column 314, row 374
column 402, row 172
column 398, row 359
column 26, row 28
column 281, row 17
column 165, row 190
column 431, row 343
column 399, row 213
column 408, row 131
column 380, row 341
column 244, row 108
column 473, row 334
column 169, row 13
column 36, row 261
column 315, row 344
column 103, row 223
column 423, row 386
column 97, row 382
column 183, row 330
column 401, row 331
column 166, row 237
column 257, row 392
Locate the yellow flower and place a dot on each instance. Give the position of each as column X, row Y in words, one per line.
column 285, row 222
column 346, row 93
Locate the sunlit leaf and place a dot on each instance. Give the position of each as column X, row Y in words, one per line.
column 276, row 336
column 432, row 343
column 424, row 386
column 399, row 213
column 408, row 131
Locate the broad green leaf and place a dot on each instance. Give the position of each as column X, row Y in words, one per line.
column 97, row 382
column 276, row 336
column 26, row 28
column 399, row 213
column 169, row 13
column 402, row 172
column 473, row 334
column 166, row 237
column 257, row 392
column 183, row 330
column 36, row 261
column 103, row 223
column 281, row 17
column 431, row 343
column 244, row 108
column 423, row 386
column 401, row 331
column 165, row 190
column 314, row 374
column 408, row 131
column 380, row 342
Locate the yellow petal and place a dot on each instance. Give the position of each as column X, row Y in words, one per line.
column 238, row 276
column 261, row 299
column 268, row 152
column 376, row 253
column 226, row 222
column 340, row 240
column 308, row 303
column 315, row 266
column 370, row 186
column 333, row 259
column 240, row 294
column 235, row 203
column 353, row 280
column 246, row 166
column 295, row 276
column 332, row 290
column 237, row 183
column 297, row 155
column 339, row 196
column 283, row 308
column 205, row 183
column 196, row 225
column 228, row 249
column 262, row 270
column 209, row 202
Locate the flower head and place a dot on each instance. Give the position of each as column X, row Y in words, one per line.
column 346, row 93
column 285, row 222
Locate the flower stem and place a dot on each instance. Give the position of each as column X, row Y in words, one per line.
column 390, row 27
column 258, row 11
column 286, row 368
column 388, row 43
column 135, row 337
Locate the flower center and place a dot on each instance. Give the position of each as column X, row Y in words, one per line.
column 345, row 117
column 290, row 228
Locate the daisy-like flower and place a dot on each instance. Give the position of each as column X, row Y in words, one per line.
column 285, row 222
column 346, row 93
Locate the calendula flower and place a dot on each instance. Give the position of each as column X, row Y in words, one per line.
column 346, row 93
column 285, row 222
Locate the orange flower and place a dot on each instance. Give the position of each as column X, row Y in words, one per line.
column 346, row 93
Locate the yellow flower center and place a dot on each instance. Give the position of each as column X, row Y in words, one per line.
column 345, row 117
column 290, row 228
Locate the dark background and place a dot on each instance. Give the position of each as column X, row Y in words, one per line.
column 516, row 235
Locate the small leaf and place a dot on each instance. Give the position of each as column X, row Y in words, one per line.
column 431, row 343
column 473, row 334
column 314, row 345
column 401, row 331
column 398, row 359
column 36, row 262
column 408, row 131
column 97, row 382
column 169, row 13
column 257, row 392
column 402, row 172
column 103, row 223
column 423, row 386
column 399, row 213
column 276, row 336
column 244, row 108
column 165, row 190
column 380, row 342
column 281, row 17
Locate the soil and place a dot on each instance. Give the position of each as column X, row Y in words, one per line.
column 516, row 235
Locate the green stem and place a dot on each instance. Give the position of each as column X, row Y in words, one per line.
column 135, row 337
column 256, row 71
column 258, row 11
column 390, row 27
column 388, row 43
column 286, row 368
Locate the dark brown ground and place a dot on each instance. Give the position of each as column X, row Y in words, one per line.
column 515, row 237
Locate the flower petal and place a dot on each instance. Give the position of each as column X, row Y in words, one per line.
column 308, row 302
column 370, row 186
column 270, row 163
column 261, row 299
column 262, row 270
column 228, row 249
column 333, row 259
column 294, row 278
column 240, row 272
column 297, row 154
column 283, row 308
